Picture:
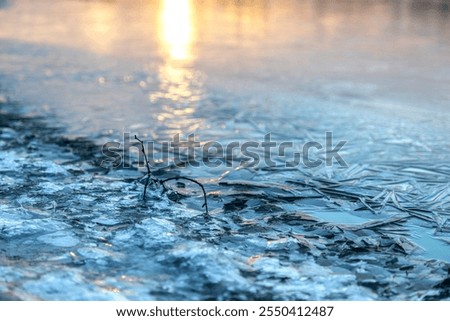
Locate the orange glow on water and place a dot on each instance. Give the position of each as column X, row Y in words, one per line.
column 99, row 26
column 177, row 29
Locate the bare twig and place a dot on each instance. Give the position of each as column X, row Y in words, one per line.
column 149, row 173
column 205, row 204
column 162, row 182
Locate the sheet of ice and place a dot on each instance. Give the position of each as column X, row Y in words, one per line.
column 376, row 74
column 62, row 239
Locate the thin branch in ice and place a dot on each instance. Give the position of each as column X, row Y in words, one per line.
column 162, row 182
column 149, row 173
column 205, row 204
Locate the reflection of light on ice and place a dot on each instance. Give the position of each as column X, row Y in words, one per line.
column 180, row 85
column 177, row 29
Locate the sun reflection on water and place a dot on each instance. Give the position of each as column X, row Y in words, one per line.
column 180, row 84
column 176, row 27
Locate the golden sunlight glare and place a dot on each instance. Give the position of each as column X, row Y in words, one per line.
column 177, row 29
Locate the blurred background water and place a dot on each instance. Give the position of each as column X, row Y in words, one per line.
column 107, row 65
column 375, row 73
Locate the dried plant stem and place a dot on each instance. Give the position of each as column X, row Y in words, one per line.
column 205, row 204
column 162, row 182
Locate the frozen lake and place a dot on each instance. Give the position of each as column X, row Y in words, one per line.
column 78, row 74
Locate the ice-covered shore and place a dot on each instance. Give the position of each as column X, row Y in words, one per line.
column 71, row 230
